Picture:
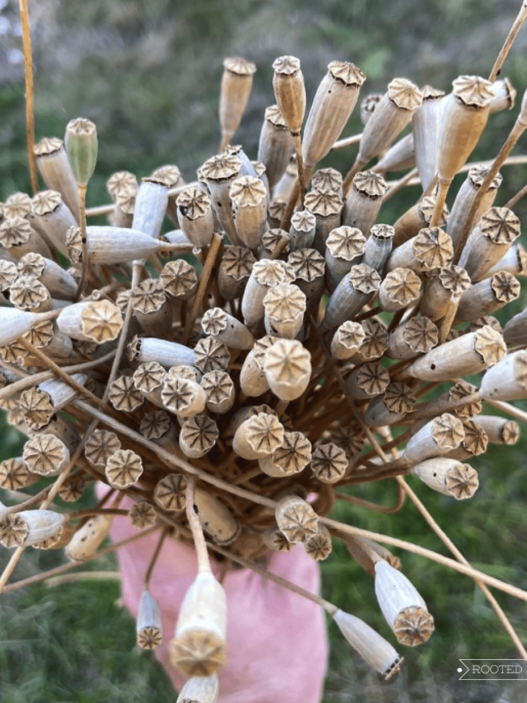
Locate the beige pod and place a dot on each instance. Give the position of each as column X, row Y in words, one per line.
column 44, row 335
column 171, row 176
column 55, row 168
column 426, row 126
column 367, row 381
column 258, row 436
column 148, row 626
column 216, row 519
column 309, row 268
column 296, row 519
column 504, row 96
column 289, row 91
column 17, row 205
column 399, row 289
column 463, row 118
column 374, row 649
column 220, row 390
column 507, row 380
column 151, row 308
column 143, row 350
column 14, row 323
column 374, row 344
column 331, row 109
column 194, row 213
column 344, row 249
column 46, row 455
column 351, row 295
column 88, row 538
column 368, row 106
column 347, row 340
column 326, row 180
column 378, row 247
column 290, row 458
column 243, row 414
column 429, row 250
column 170, row 492
column 52, row 218
column 398, row 157
column 487, row 296
column 199, row 645
column 514, row 261
column 179, row 279
column 302, row 230
column 443, row 402
column 417, row 336
column 437, row 437
column 448, row 476
column 30, row 294
column 219, row 172
column 14, row 474
column 319, row 546
column 28, row 527
column 198, row 436
column 200, row 689
column 264, row 274
column 158, row 427
column 449, row 284
column 148, row 379
column 499, row 430
column 287, row 368
column 113, row 245
column 253, row 381
column 61, row 428
column 123, row 469
column 236, row 84
column 271, row 240
column 182, row 396
column 142, row 515
column 233, row 271
column 94, row 321
column 458, row 218
column 285, row 305
column 275, row 146
column 416, row 218
column 247, row 168
column 474, row 443
column 390, row 407
column 249, row 206
column 150, row 206
column 515, row 330
column 19, row 238
column 283, row 190
column 226, row 329
column 489, row 241
column 471, row 353
column 327, row 209
column 403, row 608
column 59, row 282
column 363, row 201
column 329, row 463
column 276, row 540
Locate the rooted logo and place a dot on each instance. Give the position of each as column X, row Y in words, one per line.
column 493, row 670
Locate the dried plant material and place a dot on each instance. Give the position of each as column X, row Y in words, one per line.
column 219, row 172
column 249, row 205
column 124, row 396
column 258, row 436
column 368, row 106
column 426, row 126
column 145, row 349
column 344, row 249
column 327, row 208
column 123, row 469
column 226, row 329
column 475, row 441
column 200, row 689
column 398, row 157
column 367, row 381
column 211, row 355
column 142, row 515
column 391, row 407
column 374, row 343
column 234, row 270
column 170, row 491
column 98, row 321
column 419, row 216
column 14, row 474
column 59, row 283
column 347, row 340
column 73, row 489
column 378, row 247
column 329, row 463
column 55, row 168
column 215, row 518
column 351, row 439
column 194, row 211
column 309, row 268
column 429, row 250
column 198, row 436
column 236, row 84
column 183, row 396
column 417, row 336
column 507, row 380
column 27, row 293
column 488, row 296
column 450, row 284
column 327, row 180
column 439, row 436
column 148, row 379
column 290, row 92
column 37, row 408
column 148, row 625
column 350, row 296
column 302, row 231
column 275, row 145
column 17, row 205
column 253, row 380
column 121, row 181
column 287, row 368
column 399, row 289
column 448, row 476
column 46, row 455
column 264, row 275
column 151, row 308
column 462, row 389
column 363, row 201
column 28, row 527
column 290, row 458
column 276, row 540
column 220, row 390
column 319, row 546
column 8, row 274
column 100, row 446
column 53, row 218
column 88, row 538
column 156, row 425
column 19, row 238
column 285, row 305
column 296, row 519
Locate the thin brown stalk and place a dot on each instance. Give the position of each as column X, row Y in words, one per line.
column 509, row 41
column 385, row 510
column 291, row 204
column 85, row 254
column 88, row 512
column 516, row 198
column 155, row 556
column 84, row 576
column 195, row 526
column 110, row 207
column 399, row 185
column 30, row 93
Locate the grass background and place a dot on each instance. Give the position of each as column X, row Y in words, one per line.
column 147, row 72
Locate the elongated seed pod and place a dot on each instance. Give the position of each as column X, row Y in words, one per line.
column 319, row 546
column 344, row 249
column 198, row 435
column 14, row 474
column 220, row 390
column 408, row 340
column 55, row 168
column 416, row 218
column 142, row 515
column 399, row 289
column 14, row 323
column 429, row 250
column 363, row 201
column 216, row 519
column 275, row 146
column 123, row 469
column 374, row 343
column 367, row 381
column 258, row 436
column 350, row 296
column 211, row 355
column 398, row 157
column 98, row 321
column 249, row 205
column 81, row 146
column 302, row 231
column 296, row 519
column 145, row 349
column 437, row 437
column 426, row 126
column 200, row 689
column 236, row 84
column 290, row 458
column 113, row 245
column 514, row 261
column 150, row 206
column 309, row 268
column 507, row 380
column 499, row 430
column 195, row 217
column 276, row 540
column 148, row 625
column 59, row 283
column 19, row 238
column 234, row 270
column 390, row 407
column 347, row 340
column 487, row 296
column 52, row 219
column 285, row 305
column 515, row 331
column 179, row 279
column 29, row 527
column 378, row 247
column 219, row 172
column 182, row 396
column 327, row 208
column 253, row 380
column 448, row 476
column 287, row 368
column 329, row 463
column 289, row 91
column 264, row 275
column 88, row 538
column 449, row 284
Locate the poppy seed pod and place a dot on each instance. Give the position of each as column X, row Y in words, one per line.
column 81, row 145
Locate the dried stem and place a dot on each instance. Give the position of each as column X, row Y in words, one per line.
column 347, row 141
column 385, row 510
column 509, row 41
column 516, row 198
column 399, row 185
column 195, row 527
column 82, row 222
column 84, row 576
column 30, row 93
column 155, row 556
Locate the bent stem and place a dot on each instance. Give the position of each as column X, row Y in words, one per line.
column 30, row 93
column 195, row 526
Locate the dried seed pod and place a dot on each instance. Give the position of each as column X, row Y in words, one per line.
column 327, row 209
column 439, row 436
column 234, row 270
column 462, row 389
column 398, row 157
column 285, row 305
column 249, row 205
column 219, row 172
column 61, row 428
column 367, row 381
column 81, row 146
column 199, row 646
column 276, row 144
column 499, row 430
column 28, row 527
column 504, row 96
column 347, row 340
column 489, row 241
column 507, row 380
column 319, row 546
column 259, row 436
column 17, row 205
column 363, row 201
column 403, row 608
column 368, row 106
column 344, row 249
column 296, row 519
column 373, row 648
column 253, row 381
column 88, row 538
column 302, row 231
column 112, row 245
column 120, row 181
column 448, row 476
column 287, row 368
column 200, row 689
column 44, row 336
column 417, row 336
column 52, row 218
column 148, row 625
column 14, row 474
column 151, row 307
column 327, row 180
column 276, row 540
column 46, row 455
column 514, row 261
column 124, row 395
column 72, row 490
column 100, row 446
column 374, row 343
column 55, row 168
column 159, row 428
column 150, row 207
column 145, row 349
column 469, row 354
column 8, row 274
column 198, row 436
column 98, row 321
column 309, row 268
column 378, row 247
column 271, row 239
column 474, row 443
column 351, row 295
column 429, row 250
column 264, row 275
column 183, row 397
column 211, row 355
column 400, row 289
column 419, row 216
column 123, row 212
column 391, row 407
column 142, row 515
column 179, row 279
column 19, row 238
column 450, row 284
column 458, row 218
column 194, row 212
column 329, row 463
column 59, row 540
column 216, row 519
column 170, row 492
column 123, row 469
column 236, row 84
column 14, row 323
column 289, row 91
column 29, row 294
column 426, row 127
column 148, row 379
column 290, row 458
column 487, row 296
column 226, row 329
column 220, row 390
column 59, row 283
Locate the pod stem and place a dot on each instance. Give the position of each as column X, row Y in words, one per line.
column 509, row 41
column 155, row 556
column 81, row 187
column 30, row 93
column 195, row 526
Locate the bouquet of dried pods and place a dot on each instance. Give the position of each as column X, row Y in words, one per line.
column 231, row 371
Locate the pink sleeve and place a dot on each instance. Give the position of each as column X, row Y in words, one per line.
column 277, row 643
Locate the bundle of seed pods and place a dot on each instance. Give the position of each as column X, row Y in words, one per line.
column 229, row 352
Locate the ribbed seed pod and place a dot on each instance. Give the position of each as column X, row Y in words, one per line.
column 450, row 284
column 216, row 519
column 158, row 427
column 219, row 172
column 368, row 106
column 226, row 329
column 19, row 238
column 319, row 546
column 150, row 206
column 98, row 321
column 489, row 241
column 351, row 295
column 59, row 283
column 46, row 455
column 290, row 92
column 462, row 389
column 285, row 305
column 398, row 157
column 14, row 474
column 438, row 437
column 198, row 436
column 199, row 646
column 403, row 608
column 211, row 355
column 243, row 414
column 429, row 250
column 59, row 540
column 148, row 380
column 327, row 180
column 332, row 106
column 515, row 331
column 448, row 476
column 400, row 289
column 200, row 689
column 507, row 380
column 487, row 296
column 249, row 205
column 111, row 245
column 417, row 217
column 221, row 394
column 276, row 540
column 142, row 515
column 363, row 201
column 55, row 169
column 329, row 463
column 412, row 338
column 17, row 205
column 183, row 397
column 287, row 368
column 234, row 270
column 367, row 381
column 179, row 279
column 148, row 626
column 373, row 648
column 61, row 428
column 124, row 395
column 72, row 490
column 374, row 343
column 52, row 218
column 265, row 274
column 44, row 336
column 290, row 458
column 43, row 401
column 100, row 446
column 347, row 340
column 499, row 430
column 282, row 191
column 514, row 261
column 302, row 231
column 276, row 145
column 120, row 181
column 474, row 443
column 171, row 176
column 123, row 212
column 236, row 84
column 27, row 293
column 309, row 268
column 88, row 538
column 144, row 349
column 151, row 307
column 426, row 126
column 81, row 146
column 271, row 239
column 296, row 519
column 391, row 407
column 28, row 527
column 8, row 274
column 253, row 381
column 170, row 491
column 378, row 247
column 327, row 208
column 195, row 217
column 123, row 469
column 259, row 436
column 14, row 323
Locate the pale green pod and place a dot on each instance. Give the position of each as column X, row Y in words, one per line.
column 81, row 145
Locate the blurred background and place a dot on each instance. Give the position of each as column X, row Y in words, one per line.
column 148, row 73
